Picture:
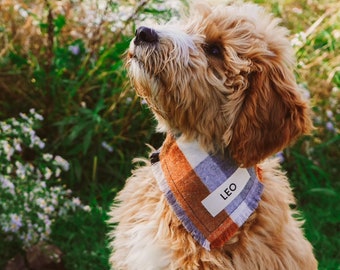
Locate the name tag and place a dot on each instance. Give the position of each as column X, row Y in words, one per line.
column 221, row 197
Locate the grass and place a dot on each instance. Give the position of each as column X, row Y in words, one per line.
column 86, row 101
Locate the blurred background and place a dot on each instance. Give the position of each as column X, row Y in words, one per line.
column 70, row 124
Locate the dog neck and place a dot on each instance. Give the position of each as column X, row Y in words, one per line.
column 210, row 194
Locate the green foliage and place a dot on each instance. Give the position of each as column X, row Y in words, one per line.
column 32, row 196
column 85, row 243
column 66, row 60
column 78, row 87
column 313, row 163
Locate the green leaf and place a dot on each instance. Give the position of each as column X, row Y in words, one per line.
column 87, row 141
column 323, row 191
column 59, row 23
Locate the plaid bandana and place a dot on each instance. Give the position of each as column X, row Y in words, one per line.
column 211, row 196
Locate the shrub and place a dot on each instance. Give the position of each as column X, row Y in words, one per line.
column 65, row 58
column 32, row 194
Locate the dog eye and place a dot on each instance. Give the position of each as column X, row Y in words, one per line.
column 213, row 50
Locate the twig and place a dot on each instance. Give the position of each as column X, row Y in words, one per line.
column 128, row 20
column 315, row 25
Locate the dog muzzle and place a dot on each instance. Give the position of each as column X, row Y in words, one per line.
column 210, row 195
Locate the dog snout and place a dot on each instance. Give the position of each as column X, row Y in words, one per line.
column 145, row 35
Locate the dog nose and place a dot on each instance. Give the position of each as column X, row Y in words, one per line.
column 145, row 34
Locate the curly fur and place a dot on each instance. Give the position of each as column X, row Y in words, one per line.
column 223, row 77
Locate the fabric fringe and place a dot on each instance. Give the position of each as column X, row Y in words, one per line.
column 215, row 174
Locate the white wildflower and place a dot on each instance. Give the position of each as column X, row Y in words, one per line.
column 57, row 172
column 24, row 116
column 297, row 10
column 21, row 170
column 15, row 222
column 49, row 209
column 41, row 202
column 62, row 162
column 36, row 115
column 39, row 143
column 54, row 199
column 106, row 146
column 299, row 39
column 47, row 157
column 5, row 127
column 43, row 184
column 7, row 184
column 48, row 173
column 40, row 216
column 39, row 174
column 5, row 227
column 128, row 100
column 17, row 144
column 76, row 201
column 329, row 113
column 87, row 208
column 8, row 149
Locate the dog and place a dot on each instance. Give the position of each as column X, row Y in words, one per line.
column 221, row 86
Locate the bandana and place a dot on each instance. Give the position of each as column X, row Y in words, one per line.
column 211, row 196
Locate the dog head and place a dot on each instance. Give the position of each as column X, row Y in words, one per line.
column 224, row 77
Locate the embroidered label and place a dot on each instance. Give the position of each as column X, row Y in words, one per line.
column 221, row 197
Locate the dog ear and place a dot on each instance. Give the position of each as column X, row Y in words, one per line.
column 273, row 113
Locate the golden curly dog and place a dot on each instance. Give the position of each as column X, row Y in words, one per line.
column 221, row 86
